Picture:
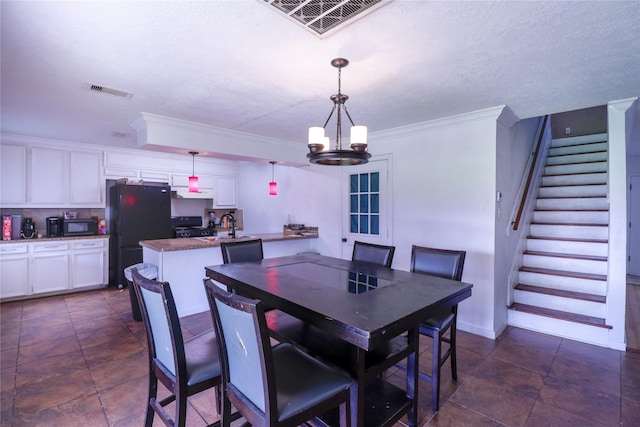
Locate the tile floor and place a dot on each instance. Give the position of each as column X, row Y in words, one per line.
column 80, row 360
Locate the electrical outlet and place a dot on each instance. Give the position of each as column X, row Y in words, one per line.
column 567, row 131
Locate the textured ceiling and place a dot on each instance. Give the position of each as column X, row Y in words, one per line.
column 241, row 66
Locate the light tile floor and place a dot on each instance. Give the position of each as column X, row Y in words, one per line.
column 80, row 360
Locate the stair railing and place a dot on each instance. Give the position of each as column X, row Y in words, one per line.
column 531, row 174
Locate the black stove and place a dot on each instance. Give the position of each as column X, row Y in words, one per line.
column 189, row 226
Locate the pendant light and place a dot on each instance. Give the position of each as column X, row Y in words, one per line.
column 193, row 179
column 320, row 151
column 273, row 185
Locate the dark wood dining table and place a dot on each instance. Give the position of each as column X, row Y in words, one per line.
column 363, row 304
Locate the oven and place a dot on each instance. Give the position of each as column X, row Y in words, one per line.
column 189, row 226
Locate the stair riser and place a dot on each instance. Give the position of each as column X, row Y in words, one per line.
column 578, row 140
column 574, row 191
column 560, row 328
column 565, row 264
column 571, row 217
column 578, row 179
column 569, row 305
column 569, row 204
column 568, row 231
column 573, row 284
column 578, row 149
column 577, row 248
column 572, row 159
column 573, row 169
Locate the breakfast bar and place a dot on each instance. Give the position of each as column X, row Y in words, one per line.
column 181, row 262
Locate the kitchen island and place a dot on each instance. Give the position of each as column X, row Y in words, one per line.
column 181, row 261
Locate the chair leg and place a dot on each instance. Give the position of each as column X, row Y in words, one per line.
column 181, row 409
column 452, row 344
column 153, row 392
column 435, row 372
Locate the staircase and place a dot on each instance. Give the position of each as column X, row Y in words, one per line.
column 562, row 284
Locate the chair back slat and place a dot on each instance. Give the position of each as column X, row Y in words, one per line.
column 244, row 352
column 372, row 253
column 437, row 262
column 241, row 251
column 162, row 340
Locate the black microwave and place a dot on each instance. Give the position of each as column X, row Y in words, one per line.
column 80, row 227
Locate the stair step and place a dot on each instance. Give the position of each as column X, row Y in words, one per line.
column 575, row 179
column 557, row 314
column 563, row 255
column 579, row 140
column 566, row 246
column 573, row 274
column 560, row 293
column 572, row 169
column 571, row 217
column 591, row 190
column 591, row 147
column 571, row 159
column 572, row 204
column 570, row 231
column 565, row 263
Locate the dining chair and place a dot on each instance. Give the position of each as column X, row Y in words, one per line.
column 242, row 251
column 184, row 366
column 270, row 386
column 447, row 264
column 372, row 253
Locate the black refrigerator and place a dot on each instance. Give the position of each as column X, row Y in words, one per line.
column 135, row 213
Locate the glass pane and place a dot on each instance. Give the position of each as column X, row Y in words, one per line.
column 364, row 203
column 354, row 204
column 375, row 203
column 364, row 224
column 353, row 186
column 375, row 182
column 364, row 182
column 375, row 224
column 354, row 223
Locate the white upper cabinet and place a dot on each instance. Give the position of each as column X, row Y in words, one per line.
column 225, row 192
column 51, row 177
column 13, row 177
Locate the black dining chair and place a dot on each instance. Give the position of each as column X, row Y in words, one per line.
column 242, row 251
column 184, row 366
column 447, row 264
column 372, row 253
column 270, row 386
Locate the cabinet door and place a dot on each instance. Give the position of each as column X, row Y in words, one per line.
column 14, row 269
column 13, row 175
column 49, row 272
column 85, row 183
column 225, row 191
column 89, row 263
column 48, row 173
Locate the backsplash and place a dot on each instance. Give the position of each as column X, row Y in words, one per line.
column 40, row 215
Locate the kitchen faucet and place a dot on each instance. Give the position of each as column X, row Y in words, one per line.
column 232, row 221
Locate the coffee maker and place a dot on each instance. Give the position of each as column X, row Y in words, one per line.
column 28, row 229
column 54, row 226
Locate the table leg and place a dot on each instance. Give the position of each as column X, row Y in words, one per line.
column 412, row 377
column 357, row 390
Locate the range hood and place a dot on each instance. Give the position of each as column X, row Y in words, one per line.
column 183, row 193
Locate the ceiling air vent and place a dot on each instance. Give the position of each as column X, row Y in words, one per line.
column 324, row 17
column 109, row 91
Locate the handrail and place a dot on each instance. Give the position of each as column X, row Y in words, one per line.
column 532, row 167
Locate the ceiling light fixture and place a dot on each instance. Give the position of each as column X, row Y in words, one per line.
column 319, row 145
column 273, row 185
column 193, row 179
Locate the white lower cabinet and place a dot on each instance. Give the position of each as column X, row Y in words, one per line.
column 49, row 267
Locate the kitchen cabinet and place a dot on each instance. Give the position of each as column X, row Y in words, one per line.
column 13, row 177
column 53, row 266
column 14, row 270
column 49, row 269
column 226, row 191
column 86, row 186
column 48, row 176
column 89, row 259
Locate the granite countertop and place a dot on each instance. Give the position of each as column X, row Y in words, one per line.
column 58, row 239
column 184, row 244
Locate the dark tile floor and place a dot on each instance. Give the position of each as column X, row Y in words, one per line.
column 80, row 360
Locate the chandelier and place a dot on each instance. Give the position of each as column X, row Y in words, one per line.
column 320, row 151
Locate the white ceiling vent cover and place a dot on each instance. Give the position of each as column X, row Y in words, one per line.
column 109, row 91
column 325, row 17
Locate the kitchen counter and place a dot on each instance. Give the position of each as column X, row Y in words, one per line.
column 58, row 239
column 182, row 262
column 189, row 243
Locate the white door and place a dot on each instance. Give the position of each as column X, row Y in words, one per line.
column 366, row 209
column 633, row 259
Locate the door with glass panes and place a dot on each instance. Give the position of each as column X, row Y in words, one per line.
column 367, row 205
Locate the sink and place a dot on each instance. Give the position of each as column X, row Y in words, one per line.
column 238, row 236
